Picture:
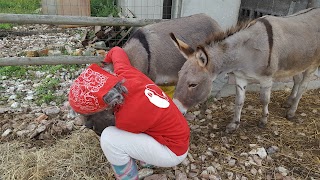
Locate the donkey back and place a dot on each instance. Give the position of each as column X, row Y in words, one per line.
column 151, row 51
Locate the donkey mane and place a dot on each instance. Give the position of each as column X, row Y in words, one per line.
column 222, row 35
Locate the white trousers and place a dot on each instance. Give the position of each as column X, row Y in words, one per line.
column 119, row 146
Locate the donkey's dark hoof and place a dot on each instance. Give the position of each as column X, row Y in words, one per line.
column 262, row 125
column 290, row 117
column 295, row 119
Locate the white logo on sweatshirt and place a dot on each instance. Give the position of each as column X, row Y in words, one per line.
column 159, row 100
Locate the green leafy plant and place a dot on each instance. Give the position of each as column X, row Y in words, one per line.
column 103, row 8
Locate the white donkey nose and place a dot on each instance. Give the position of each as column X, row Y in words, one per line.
column 182, row 109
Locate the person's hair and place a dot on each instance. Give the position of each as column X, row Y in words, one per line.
column 115, row 95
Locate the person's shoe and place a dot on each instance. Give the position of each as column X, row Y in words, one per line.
column 128, row 171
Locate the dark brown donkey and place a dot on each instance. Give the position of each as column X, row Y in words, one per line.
column 265, row 49
column 151, row 51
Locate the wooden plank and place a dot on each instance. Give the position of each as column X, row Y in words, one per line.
column 74, row 20
column 49, row 60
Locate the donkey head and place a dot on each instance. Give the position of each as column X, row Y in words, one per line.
column 195, row 77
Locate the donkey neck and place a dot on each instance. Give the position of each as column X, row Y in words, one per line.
column 234, row 49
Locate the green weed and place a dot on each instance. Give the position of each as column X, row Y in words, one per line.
column 45, row 92
column 103, row 8
column 19, row 6
column 5, row 26
column 13, row 71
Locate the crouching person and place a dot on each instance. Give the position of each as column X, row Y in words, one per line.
column 148, row 125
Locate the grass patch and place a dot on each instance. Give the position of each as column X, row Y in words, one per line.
column 19, row 6
column 6, row 26
column 13, row 71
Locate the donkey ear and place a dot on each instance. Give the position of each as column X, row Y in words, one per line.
column 201, row 56
column 184, row 48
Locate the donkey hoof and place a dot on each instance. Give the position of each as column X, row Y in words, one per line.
column 295, row 119
column 290, row 116
column 262, row 125
column 231, row 127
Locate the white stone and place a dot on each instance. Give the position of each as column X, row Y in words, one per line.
column 41, row 128
column 211, row 170
column 15, row 105
column 22, row 132
column 252, row 145
column 253, row 151
column 3, row 110
column 10, row 90
column 186, row 162
column 230, row 175
column 51, row 110
column 205, row 174
column 196, row 113
column 193, row 167
column 31, row 127
column 253, row 171
column 12, row 97
column 232, row 162
column 282, row 170
column 20, row 87
column 54, row 53
column 29, row 97
column 6, row 133
column 244, row 154
column 262, row 152
column 303, row 114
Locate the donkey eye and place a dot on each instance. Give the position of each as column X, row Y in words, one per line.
column 193, row 85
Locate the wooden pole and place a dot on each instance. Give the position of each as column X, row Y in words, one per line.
column 49, row 60
column 74, row 20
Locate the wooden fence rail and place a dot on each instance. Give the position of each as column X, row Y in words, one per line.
column 50, row 60
column 74, row 20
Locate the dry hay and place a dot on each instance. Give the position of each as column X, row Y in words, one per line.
column 78, row 156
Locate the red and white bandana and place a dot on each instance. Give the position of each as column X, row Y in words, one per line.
column 87, row 91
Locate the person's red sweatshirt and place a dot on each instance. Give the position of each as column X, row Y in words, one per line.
column 146, row 108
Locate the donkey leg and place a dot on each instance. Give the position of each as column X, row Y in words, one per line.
column 240, row 96
column 302, row 87
column 297, row 81
column 265, row 91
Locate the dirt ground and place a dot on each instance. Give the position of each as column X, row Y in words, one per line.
column 296, row 144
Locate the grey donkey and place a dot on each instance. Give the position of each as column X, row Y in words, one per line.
column 263, row 50
column 151, row 51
